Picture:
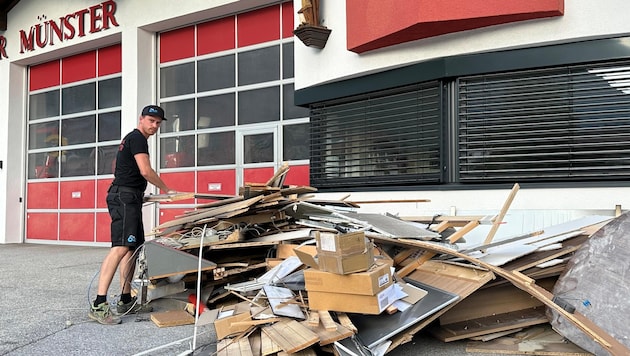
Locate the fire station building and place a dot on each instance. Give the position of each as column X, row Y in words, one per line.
column 429, row 107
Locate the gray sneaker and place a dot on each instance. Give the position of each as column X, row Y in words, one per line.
column 132, row 307
column 103, row 314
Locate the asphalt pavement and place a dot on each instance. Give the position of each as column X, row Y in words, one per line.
column 45, row 291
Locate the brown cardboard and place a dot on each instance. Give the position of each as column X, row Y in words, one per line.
column 352, row 303
column 346, row 264
column 370, row 282
column 340, row 244
column 225, row 328
column 285, row 250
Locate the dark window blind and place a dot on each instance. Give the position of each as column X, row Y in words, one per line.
column 558, row 124
column 381, row 139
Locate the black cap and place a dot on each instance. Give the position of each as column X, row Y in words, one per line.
column 153, row 110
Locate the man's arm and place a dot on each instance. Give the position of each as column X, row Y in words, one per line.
column 142, row 159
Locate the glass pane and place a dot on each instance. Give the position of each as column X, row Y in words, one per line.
column 296, row 142
column 43, row 135
column 177, row 80
column 260, row 65
column 180, row 116
column 216, row 111
column 215, row 73
column 109, row 93
column 43, row 105
column 287, row 60
column 177, row 151
column 78, row 162
column 289, row 110
column 79, row 130
column 109, row 126
column 43, row 165
column 78, row 98
column 260, row 105
column 106, row 159
column 216, row 148
column 258, row 148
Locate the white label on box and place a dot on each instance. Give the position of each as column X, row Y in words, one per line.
column 76, row 195
column 383, row 280
column 386, row 297
column 327, row 242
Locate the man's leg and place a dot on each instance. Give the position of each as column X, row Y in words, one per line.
column 101, row 311
column 126, row 268
column 111, row 262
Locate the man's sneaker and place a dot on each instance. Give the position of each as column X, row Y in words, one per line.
column 103, row 314
column 132, row 307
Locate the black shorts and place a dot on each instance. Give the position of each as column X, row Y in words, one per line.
column 125, row 209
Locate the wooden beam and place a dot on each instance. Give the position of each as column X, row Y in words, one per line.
column 499, row 219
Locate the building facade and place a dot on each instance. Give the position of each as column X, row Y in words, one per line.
column 443, row 105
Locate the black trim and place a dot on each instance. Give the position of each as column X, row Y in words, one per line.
column 469, row 64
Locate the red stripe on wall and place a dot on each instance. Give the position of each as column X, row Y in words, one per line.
column 78, row 67
column 288, row 17
column 215, row 36
column 259, row 26
column 373, row 24
column 110, row 60
column 177, row 44
column 44, row 75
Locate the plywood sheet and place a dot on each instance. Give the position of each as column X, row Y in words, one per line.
column 290, row 335
column 172, row 318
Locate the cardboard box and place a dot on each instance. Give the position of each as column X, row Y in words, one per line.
column 346, row 264
column 352, row 303
column 340, row 244
column 370, row 282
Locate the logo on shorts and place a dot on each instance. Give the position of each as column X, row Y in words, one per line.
column 131, row 239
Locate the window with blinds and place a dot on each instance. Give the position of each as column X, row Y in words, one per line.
column 381, row 139
column 560, row 124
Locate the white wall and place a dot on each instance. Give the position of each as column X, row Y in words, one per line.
column 582, row 19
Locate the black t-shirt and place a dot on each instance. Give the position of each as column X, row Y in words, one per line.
column 127, row 172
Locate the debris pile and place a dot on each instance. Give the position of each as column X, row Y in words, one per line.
column 277, row 271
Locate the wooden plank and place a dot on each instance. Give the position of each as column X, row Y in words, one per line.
column 291, row 336
column 207, row 213
column 497, row 222
column 268, row 346
column 327, row 337
column 326, row 320
column 427, row 255
column 538, row 340
column 276, row 180
column 240, row 347
column 313, row 318
column 489, row 324
column 345, row 321
column 172, row 318
column 155, row 198
column 457, row 220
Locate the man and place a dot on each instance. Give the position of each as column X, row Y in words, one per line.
column 124, row 202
